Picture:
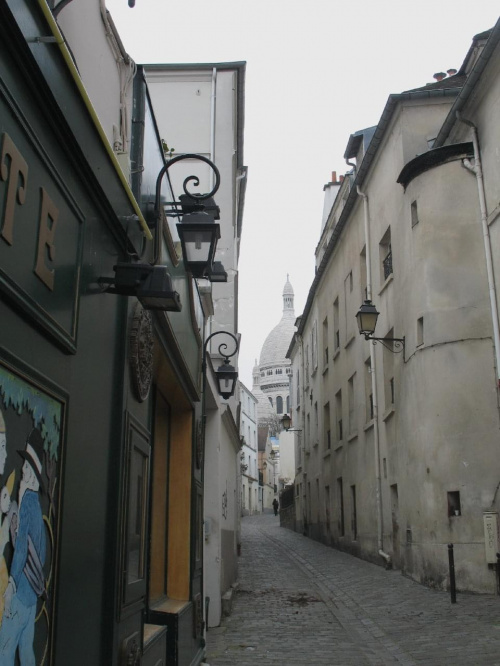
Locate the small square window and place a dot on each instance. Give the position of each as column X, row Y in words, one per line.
column 414, row 213
column 454, row 508
column 420, row 331
column 385, row 250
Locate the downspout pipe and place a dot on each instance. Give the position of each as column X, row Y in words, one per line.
column 354, row 167
column 477, row 169
column 302, row 435
column 376, row 438
column 213, row 98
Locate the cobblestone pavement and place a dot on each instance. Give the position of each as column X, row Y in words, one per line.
column 300, row 602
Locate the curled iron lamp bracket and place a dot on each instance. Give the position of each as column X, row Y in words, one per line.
column 190, row 179
column 397, row 347
column 223, row 345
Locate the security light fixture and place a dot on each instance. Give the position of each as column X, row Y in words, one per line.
column 152, row 285
column 217, row 272
column 367, row 316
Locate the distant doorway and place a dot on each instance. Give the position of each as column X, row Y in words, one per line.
column 395, row 527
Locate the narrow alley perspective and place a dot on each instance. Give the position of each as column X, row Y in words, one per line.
column 301, row 602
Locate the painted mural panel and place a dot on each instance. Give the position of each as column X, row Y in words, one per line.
column 30, row 466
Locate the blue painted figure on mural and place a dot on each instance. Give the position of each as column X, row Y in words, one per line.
column 26, row 577
column 8, row 509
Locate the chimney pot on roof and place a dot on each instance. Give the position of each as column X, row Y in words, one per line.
column 451, row 72
column 439, row 76
column 334, row 176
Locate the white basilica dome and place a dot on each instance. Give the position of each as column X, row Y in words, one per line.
column 272, row 386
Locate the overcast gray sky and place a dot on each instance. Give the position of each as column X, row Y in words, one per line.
column 317, row 71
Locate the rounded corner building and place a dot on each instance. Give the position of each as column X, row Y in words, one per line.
column 271, row 384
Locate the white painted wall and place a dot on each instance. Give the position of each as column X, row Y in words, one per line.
column 96, row 60
column 248, row 454
column 440, row 433
column 182, row 100
column 287, row 456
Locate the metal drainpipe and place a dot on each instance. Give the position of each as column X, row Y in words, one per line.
column 376, row 440
column 212, row 122
column 302, row 435
column 477, row 169
column 354, row 167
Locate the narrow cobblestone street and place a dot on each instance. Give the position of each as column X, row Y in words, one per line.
column 300, row 602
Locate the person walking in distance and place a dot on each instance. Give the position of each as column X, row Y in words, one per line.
column 276, row 505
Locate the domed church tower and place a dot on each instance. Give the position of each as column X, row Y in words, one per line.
column 270, row 378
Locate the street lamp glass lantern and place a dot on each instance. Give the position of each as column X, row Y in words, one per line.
column 198, row 234
column 226, row 377
column 367, row 318
column 286, row 422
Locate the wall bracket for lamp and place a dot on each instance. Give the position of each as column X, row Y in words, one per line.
column 152, row 285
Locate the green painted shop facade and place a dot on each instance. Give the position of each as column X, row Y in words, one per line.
column 101, row 451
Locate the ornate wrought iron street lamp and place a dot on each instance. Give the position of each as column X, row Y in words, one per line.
column 286, row 422
column 367, row 316
column 226, row 375
column 198, row 231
